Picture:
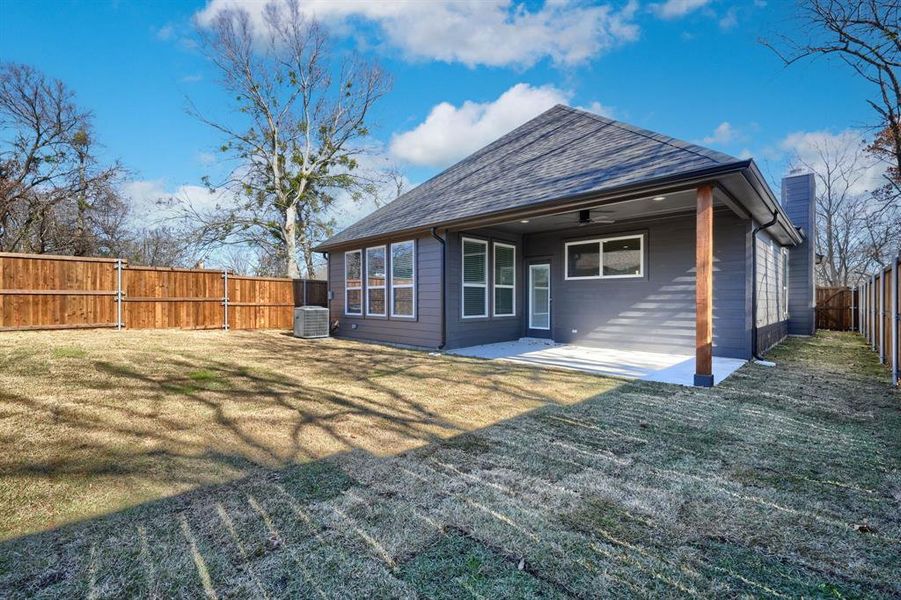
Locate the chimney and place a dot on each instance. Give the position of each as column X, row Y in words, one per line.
column 799, row 203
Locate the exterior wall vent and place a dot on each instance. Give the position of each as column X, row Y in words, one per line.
column 311, row 322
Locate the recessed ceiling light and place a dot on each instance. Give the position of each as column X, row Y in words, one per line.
column 659, row 198
column 524, row 221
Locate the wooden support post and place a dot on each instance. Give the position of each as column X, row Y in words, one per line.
column 704, row 288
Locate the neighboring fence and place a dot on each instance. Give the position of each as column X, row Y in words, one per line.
column 63, row 292
column 879, row 316
column 836, row 308
column 310, row 292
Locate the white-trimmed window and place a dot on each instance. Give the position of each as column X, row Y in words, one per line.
column 606, row 258
column 376, row 275
column 504, row 280
column 475, row 278
column 403, row 279
column 353, row 282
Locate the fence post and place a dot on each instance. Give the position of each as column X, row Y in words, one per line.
column 882, row 317
column 118, row 294
column 225, row 299
column 895, row 318
column 304, row 292
column 873, row 305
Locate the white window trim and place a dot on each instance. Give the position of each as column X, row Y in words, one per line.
column 464, row 285
column 600, row 243
column 532, row 299
column 785, row 284
column 502, row 286
column 411, row 285
column 347, row 289
column 384, row 285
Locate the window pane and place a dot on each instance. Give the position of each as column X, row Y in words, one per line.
column 402, row 263
column 540, row 302
column 353, row 269
column 503, row 301
column 376, row 301
column 375, row 266
column 540, row 276
column 541, row 321
column 354, row 301
column 622, row 257
column 473, row 301
column 474, row 262
column 403, row 302
column 504, row 267
column 583, row 260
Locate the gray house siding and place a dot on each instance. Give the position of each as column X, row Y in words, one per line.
column 475, row 331
column 655, row 313
column 424, row 330
column 772, row 323
column 798, row 195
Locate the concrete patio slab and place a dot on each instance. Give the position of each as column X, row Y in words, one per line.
column 629, row 364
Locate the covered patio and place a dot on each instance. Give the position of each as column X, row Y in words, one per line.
column 676, row 369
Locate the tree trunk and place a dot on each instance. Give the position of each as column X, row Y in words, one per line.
column 293, row 267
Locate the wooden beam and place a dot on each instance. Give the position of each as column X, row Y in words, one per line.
column 704, row 288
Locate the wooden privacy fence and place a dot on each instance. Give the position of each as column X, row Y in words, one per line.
column 63, row 292
column 836, row 308
column 879, row 317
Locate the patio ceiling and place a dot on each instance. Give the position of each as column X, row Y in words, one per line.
column 683, row 201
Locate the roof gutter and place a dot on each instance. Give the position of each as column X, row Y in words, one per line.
column 755, row 178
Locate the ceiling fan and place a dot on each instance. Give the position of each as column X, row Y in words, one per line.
column 585, row 217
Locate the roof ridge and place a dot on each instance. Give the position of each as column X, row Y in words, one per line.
column 656, row 136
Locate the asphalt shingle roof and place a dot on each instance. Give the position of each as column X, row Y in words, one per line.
column 561, row 152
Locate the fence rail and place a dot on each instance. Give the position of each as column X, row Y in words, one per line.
column 879, row 318
column 39, row 291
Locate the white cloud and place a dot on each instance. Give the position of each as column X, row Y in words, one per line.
column 673, row 9
column 449, row 132
column 809, row 148
column 489, row 32
column 207, row 158
column 165, row 33
column 600, row 109
column 152, row 202
column 723, row 134
column 193, row 78
column 729, row 20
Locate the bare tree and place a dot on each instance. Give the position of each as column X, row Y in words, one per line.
column 857, row 228
column 305, row 126
column 50, row 178
column 863, row 34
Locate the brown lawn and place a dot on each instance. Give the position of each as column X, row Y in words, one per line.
column 95, row 421
column 191, row 464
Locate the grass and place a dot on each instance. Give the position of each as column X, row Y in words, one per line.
column 162, row 464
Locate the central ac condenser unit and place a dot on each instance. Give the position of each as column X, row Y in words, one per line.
column 310, row 322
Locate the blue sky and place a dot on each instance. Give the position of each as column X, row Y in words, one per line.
column 463, row 75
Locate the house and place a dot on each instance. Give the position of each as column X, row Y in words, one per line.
column 587, row 231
